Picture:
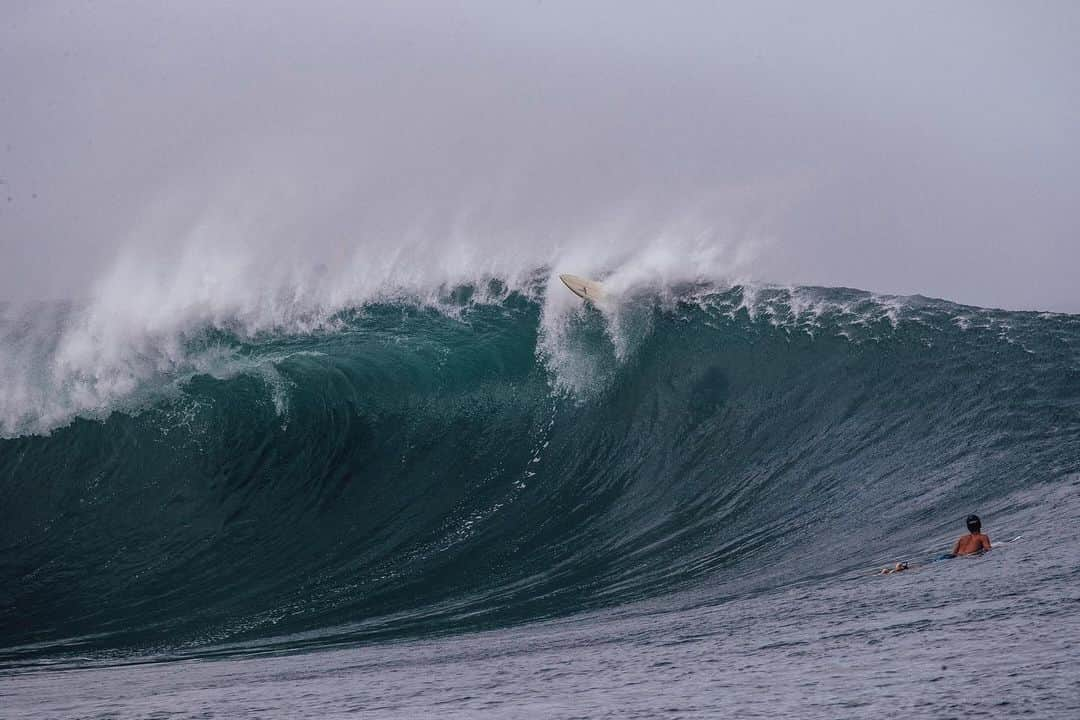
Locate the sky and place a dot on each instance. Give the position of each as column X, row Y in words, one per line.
column 910, row 148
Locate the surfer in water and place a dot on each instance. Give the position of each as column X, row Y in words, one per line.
column 975, row 541
column 898, row 567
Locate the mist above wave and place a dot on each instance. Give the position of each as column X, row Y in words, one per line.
column 159, row 317
column 145, row 322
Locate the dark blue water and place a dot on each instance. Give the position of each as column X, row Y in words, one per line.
column 670, row 506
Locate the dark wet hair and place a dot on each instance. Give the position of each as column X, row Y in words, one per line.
column 974, row 523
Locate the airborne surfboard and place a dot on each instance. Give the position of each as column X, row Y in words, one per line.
column 583, row 287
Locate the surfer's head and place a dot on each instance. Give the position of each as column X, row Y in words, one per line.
column 974, row 524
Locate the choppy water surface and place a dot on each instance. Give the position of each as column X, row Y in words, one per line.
column 499, row 504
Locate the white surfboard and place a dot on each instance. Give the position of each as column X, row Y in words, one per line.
column 583, row 287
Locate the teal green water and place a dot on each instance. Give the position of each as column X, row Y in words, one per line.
column 404, row 471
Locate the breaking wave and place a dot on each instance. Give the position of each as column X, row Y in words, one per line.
column 493, row 452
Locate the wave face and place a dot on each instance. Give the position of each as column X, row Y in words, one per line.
column 400, row 468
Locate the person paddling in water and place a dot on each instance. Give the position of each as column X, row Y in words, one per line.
column 976, row 541
column 898, row 567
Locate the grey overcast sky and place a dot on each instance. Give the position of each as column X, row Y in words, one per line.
column 902, row 147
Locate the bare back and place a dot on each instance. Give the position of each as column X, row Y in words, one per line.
column 971, row 543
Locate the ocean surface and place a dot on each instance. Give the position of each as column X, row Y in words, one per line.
column 494, row 500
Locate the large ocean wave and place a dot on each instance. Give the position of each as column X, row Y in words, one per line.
column 487, row 453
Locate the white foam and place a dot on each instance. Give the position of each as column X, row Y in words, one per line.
column 143, row 331
column 133, row 338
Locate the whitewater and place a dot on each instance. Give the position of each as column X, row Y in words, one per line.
column 237, row 490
